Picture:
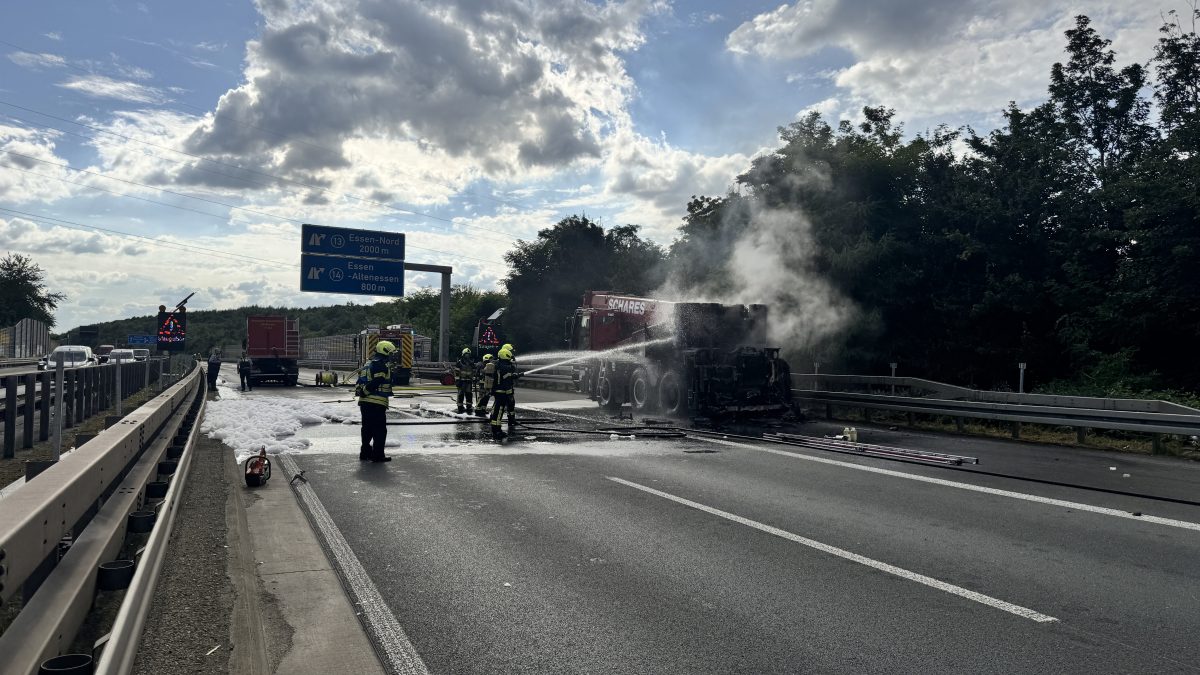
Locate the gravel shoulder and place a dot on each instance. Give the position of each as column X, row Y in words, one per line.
column 195, row 597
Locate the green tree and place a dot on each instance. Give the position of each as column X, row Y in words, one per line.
column 548, row 276
column 23, row 293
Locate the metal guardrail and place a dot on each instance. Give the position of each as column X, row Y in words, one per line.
column 26, row 399
column 1078, row 417
column 84, row 499
column 121, row 651
column 917, row 387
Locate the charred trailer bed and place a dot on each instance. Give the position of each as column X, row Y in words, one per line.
column 698, row 359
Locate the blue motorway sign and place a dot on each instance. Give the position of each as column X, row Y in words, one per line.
column 142, row 340
column 352, row 243
column 340, row 274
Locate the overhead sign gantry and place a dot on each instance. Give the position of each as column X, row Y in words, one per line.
column 364, row 262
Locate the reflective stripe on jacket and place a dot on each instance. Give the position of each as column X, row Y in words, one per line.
column 464, row 369
column 489, row 375
column 378, row 386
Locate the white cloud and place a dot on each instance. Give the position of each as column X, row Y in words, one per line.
column 99, row 86
column 942, row 58
column 24, row 180
column 25, row 236
column 522, row 88
column 56, row 36
column 37, row 61
column 655, row 180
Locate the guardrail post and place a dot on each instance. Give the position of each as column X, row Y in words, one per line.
column 89, row 406
column 145, row 373
column 1157, row 444
column 117, row 388
column 828, row 411
column 60, row 386
column 47, row 397
column 1081, row 435
column 81, row 398
column 31, row 400
column 866, row 415
column 1016, row 430
column 909, row 418
column 68, row 395
column 959, row 425
column 10, row 418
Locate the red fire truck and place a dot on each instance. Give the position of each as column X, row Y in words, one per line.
column 273, row 346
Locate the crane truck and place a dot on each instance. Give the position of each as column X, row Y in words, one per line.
column 681, row 359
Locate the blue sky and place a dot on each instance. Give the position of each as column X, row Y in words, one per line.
column 152, row 149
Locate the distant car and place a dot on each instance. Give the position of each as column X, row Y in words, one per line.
column 122, row 355
column 102, row 353
column 74, row 356
column 141, row 354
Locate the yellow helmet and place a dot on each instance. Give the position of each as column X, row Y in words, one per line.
column 466, row 350
column 487, row 357
column 384, row 348
column 505, row 354
column 508, row 347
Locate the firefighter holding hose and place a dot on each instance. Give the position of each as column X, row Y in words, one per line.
column 464, row 379
column 374, row 392
column 502, row 389
column 512, row 396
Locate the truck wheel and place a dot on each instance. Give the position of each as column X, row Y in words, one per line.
column 671, row 399
column 641, row 390
column 609, row 393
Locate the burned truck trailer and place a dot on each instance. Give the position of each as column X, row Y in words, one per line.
column 677, row 358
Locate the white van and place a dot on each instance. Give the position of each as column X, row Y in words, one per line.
column 74, row 356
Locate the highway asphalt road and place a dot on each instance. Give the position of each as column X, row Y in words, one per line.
column 560, row 552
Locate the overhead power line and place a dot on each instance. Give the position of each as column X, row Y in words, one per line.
column 237, row 257
column 177, row 206
column 277, row 134
column 407, row 213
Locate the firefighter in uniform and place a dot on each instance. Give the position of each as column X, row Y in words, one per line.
column 464, row 378
column 512, row 397
column 374, row 393
column 244, row 369
column 502, row 389
column 487, row 373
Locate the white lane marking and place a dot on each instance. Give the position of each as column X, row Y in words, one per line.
column 1023, row 612
column 399, row 652
column 1170, row 522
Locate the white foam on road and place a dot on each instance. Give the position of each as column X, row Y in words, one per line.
column 1023, row 612
column 247, row 424
column 1158, row 520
